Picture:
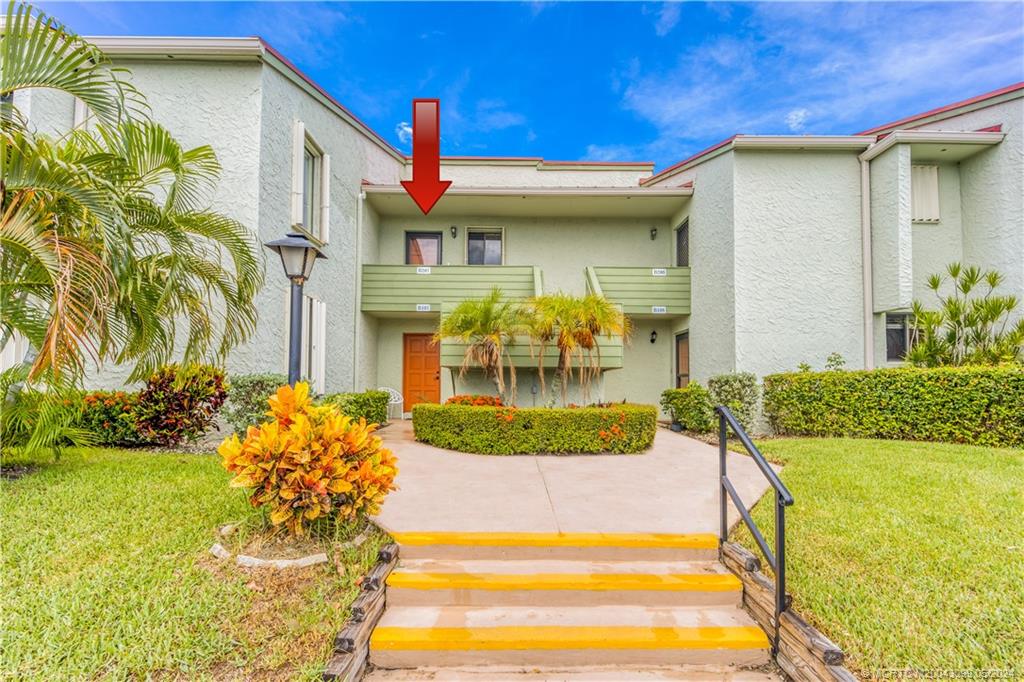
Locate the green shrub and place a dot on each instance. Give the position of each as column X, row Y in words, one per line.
column 691, row 407
column 111, row 417
column 623, row 428
column 737, row 391
column 247, row 399
column 973, row 405
column 179, row 403
column 373, row 405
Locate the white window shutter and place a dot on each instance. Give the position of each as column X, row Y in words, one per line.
column 325, row 198
column 308, row 305
column 319, row 351
column 81, row 114
column 924, row 193
column 298, row 149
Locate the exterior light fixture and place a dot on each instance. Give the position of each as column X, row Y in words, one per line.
column 654, row 233
column 298, row 254
column 654, row 336
column 455, row 231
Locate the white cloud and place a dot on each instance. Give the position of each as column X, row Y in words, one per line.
column 404, row 132
column 844, row 62
column 668, row 17
column 796, row 119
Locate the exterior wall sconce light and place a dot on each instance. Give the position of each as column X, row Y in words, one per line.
column 455, row 231
column 298, row 255
column 654, row 233
column 654, row 336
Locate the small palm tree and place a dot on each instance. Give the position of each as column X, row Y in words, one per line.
column 576, row 325
column 487, row 326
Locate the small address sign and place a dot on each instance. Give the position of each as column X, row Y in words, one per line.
column 423, row 270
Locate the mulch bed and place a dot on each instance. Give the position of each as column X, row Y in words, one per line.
column 12, row 472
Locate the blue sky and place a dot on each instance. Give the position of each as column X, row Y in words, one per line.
column 614, row 81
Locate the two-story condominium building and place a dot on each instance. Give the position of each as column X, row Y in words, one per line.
column 757, row 254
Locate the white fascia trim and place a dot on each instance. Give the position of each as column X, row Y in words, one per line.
column 171, row 47
column 625, row 192
column 799, row 142
column 541, row 164
column 930, row 137
column 768, row 142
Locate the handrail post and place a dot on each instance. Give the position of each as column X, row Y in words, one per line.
column 780, row 562
column 723, row 526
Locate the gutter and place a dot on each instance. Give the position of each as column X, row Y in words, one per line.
column 930, row 137
column 358, row 276
column 867, row 273
column 623, row 192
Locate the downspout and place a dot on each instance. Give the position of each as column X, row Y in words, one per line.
column 866, row 272
column 357, row 312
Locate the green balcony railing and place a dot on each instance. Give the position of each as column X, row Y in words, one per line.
column 643, row 292
column 422, row 289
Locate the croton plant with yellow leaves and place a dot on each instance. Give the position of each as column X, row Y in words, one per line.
column 310, row 461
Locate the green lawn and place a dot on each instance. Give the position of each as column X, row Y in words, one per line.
column 908, row 555
column 106, row 574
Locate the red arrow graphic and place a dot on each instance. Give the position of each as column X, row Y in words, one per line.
column 426, row 186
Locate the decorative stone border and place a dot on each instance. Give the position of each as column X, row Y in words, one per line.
column 805, row 654
column 352, row 645
column 245, row 561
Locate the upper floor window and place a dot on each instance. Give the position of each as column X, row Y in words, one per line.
column 484, row 246
column 683, row 244
column 423, row 248
column 311, row 184
column 897, row 336
column 924, row 194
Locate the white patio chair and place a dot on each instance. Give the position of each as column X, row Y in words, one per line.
column 395, row 398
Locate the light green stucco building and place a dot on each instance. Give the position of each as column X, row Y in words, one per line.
column 754, row 255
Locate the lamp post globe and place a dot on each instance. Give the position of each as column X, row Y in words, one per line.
column 298, row 254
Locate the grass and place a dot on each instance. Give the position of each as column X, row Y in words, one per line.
column 106, row 574
column 908, row 555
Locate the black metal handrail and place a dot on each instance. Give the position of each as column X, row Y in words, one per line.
column 783, row 499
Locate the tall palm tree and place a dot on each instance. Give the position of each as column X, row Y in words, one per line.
column 107, row 246
column 107, row 239
column 487, row 326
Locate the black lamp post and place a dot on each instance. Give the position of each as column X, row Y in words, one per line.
column 297, row 256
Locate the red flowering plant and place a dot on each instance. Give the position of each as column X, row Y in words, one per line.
column 110, row 417
column 310, row 462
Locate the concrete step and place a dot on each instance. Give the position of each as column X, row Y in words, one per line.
column 561, row 583
column 571, row 546
column 591, row 673
column 566, row 636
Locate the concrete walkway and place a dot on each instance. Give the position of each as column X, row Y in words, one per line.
column 672, row 488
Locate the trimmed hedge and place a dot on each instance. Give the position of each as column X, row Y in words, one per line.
column 247, row 399
column 973, row 405
column 619, row 429
column 373, row 405
column 691, row 407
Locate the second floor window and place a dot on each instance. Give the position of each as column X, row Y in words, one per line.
column 311, row 184
column 683, row 244
column 484, row 247
column 311, row 173
column 423, row 248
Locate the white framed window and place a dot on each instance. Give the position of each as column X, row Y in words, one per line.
column 898, row 336
column 485, row 245
column 311, row 184
column 924, row 193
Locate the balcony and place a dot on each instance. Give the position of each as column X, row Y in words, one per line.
column 420, row 290
column 643, row 293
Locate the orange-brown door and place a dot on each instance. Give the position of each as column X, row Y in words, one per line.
column 421, row 370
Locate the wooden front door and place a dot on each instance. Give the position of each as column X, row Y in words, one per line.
column 421, row 370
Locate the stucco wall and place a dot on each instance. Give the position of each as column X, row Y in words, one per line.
column 797, row 259
column 483, row 174
column 50, row 112
column 712, row 320
column 646, row 367
column 891, row 231
column 991, row 187
column 936, row 245
column 353, row 158
column 561, row 247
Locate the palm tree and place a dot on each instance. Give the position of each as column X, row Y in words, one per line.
column 487, row 326
column 576, row 324
column 106, row 242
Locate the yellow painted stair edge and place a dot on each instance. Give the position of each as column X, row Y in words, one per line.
column 671, row 582
column 567, row 637
column 630, row 540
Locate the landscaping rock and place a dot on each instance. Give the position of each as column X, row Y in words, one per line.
column 227, row 530
column 246, row 561
column 219, row 551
